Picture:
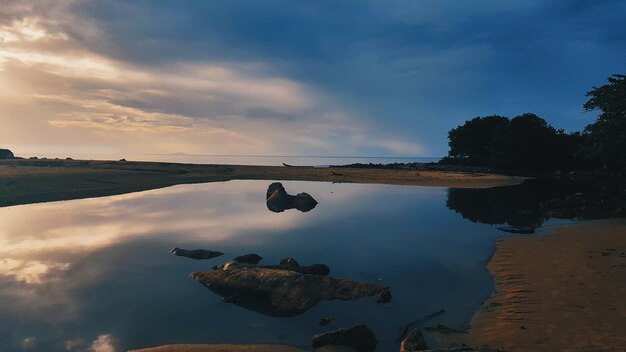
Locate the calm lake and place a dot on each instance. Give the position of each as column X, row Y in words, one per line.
column 98, row 273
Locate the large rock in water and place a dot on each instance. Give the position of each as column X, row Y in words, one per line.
column 278, row 200
column 359, row 337
column 279, row 292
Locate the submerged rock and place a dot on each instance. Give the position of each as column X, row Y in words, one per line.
column 198, row 254
column 281, row 292
column 278, row 200
column 359, row 337
column 384, row 296
column 325, row 320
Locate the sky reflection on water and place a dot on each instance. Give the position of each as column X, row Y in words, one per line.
column 98, row 271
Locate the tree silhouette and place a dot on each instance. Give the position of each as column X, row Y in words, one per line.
column 606, row 138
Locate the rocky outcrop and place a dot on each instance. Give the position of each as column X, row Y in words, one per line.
column 250, row 261
column 198, row 254
column 359, row 337
column 278, row 200
column 280, row 292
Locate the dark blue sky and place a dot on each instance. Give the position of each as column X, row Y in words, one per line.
column 405, row 71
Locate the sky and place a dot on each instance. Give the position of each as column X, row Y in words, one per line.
column 337, row 78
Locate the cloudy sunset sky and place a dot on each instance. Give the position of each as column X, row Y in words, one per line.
column 377, row 78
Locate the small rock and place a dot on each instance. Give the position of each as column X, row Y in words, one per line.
column 289, row 262
column 414, row 342
column 325, row 320
column 359, row 337
column 384, row 296
column 198, row 254
column 253, row 259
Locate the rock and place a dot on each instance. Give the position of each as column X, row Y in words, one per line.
column 304, row 202
column 289, row 262
column 249, row 260
column 359, row 337
column 280, row 292
column 325, row 320
column 315, row 269
column 253, row 259
column 414, row 342
column 278, row 200
column 198, row 254
column 384, row 296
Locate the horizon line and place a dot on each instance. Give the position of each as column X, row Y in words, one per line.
column 299, row 156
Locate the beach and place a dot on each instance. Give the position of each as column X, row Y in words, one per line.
column 563, row 291
column 44, row 180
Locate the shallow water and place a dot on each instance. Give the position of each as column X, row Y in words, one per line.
column 98, row 272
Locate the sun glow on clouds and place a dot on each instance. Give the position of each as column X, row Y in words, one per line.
column 61, row 95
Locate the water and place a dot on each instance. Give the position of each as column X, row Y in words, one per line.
column 98, row 272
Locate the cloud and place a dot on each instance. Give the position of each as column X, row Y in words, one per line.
column 77, row 74
column 104, row 343
column 81, row 96
column 28, row 271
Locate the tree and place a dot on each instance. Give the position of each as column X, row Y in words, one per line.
column 473, row 141
column 525, row 143
column 6, row 154
column 606, row 138
column 528, row 143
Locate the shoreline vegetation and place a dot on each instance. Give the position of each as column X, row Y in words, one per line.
column 26, row 181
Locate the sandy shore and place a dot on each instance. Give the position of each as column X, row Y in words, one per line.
column 33, row 181
column 562, row 292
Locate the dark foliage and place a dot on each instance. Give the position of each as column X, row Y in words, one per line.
column 474, row 142
column 606, row 138
column 526, row 142
column 6, row 154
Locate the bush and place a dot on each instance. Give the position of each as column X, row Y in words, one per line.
column 6, row 154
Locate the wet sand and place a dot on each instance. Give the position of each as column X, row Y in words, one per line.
column 33, row 181
column 565, row 291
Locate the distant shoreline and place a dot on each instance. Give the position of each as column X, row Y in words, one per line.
column 25, row 181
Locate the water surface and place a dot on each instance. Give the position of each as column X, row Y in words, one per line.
column 98, row 272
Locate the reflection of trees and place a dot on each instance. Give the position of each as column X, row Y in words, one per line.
column 516, row 205
column 531, row 203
